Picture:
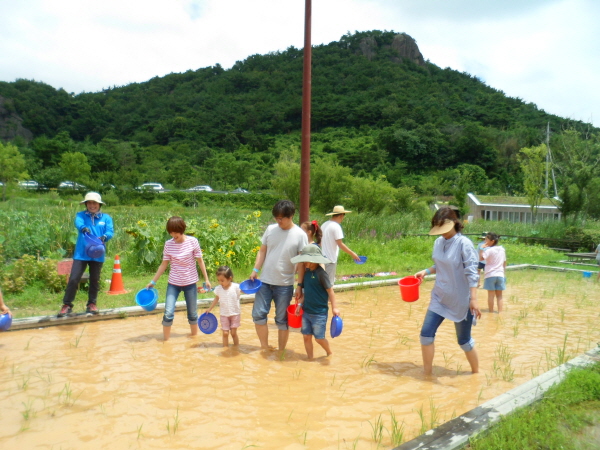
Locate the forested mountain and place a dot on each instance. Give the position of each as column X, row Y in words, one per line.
column 378, row 108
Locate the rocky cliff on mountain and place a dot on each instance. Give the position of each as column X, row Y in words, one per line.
column 404, row 45
column 11, row 124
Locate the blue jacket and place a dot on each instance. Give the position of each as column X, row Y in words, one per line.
column 100, row 224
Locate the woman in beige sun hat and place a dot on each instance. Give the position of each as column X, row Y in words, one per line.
column 454, row 295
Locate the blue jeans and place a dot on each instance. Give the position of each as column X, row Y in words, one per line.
column 432, row 322
column 281, row 296
column 190, row 293
column 314, row 324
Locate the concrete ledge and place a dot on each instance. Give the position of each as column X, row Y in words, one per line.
column 454, row 435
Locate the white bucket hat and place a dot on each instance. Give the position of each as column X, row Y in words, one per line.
column 338, row 209
column 92, row 196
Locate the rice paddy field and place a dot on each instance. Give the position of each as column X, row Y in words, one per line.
column 116, row 384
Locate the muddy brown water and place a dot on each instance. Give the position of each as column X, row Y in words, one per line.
column 115, row 384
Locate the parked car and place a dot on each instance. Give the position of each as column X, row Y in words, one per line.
column 32, row 185
column 240, row 191
column 71, row 185
column 151, row 187
column 200, row 188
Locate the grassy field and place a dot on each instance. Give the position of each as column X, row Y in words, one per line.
column 43, row 227
column 568, row 417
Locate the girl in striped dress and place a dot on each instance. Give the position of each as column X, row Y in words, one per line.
column 181, row 252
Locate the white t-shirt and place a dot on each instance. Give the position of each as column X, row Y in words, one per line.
column 282, row 246
column 495, row 257
column 332, row 232
column 229, row 300
column 598, row 253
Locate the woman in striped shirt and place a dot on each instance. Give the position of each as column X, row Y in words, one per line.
column 181, row 252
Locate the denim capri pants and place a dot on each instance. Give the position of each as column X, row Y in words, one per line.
column 463, row 330
column 281, row 296
column 190, row 293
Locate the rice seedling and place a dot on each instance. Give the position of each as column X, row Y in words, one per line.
column 296, row 374
column 508, row 373
column 513, row 299
column 488, row 380
column 175, row 426
column 46, row 378
column 377, row 430
column 523, row 314
column 561, row 352
column 539, row 306
column 290, row 415
column 447, row 359
column 503, row 353
column 458, row 368
column 366, row 363
column 396, row 430
column 69, row 400
column 562, row 315
column 28, row 412
column 28, row 342
column 139, row 431
column 282, row 355
column 78, row 338
column 516, row 329
column 24, row 383
column 480, row 395
column 354, row 443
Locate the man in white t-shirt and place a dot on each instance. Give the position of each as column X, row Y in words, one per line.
column 331, row 243
column 280, row 243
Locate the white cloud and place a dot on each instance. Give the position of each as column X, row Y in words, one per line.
column 543, row 51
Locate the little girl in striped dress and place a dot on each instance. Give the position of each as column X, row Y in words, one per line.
column 228, row 295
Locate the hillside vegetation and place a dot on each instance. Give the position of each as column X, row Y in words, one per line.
column 376, row 114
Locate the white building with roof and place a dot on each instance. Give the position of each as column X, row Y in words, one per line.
column 513, row 209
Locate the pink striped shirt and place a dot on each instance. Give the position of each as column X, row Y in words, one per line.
column 182, row 258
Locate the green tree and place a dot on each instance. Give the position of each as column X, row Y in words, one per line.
column 75, row 167
column 371, row 195
column 12, row 166
column 286, row 180
column 532, row 164
column 330, row 184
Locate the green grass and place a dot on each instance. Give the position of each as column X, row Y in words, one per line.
column 555, row 422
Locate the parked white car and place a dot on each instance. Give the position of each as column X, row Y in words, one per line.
column 151, row 187
column 71, row 185
column 200, row 188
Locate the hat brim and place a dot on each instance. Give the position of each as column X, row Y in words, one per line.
column 90, row 200
column 315, row 259
column 338, row 212
column 441, row 229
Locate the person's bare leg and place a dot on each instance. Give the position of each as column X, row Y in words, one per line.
column 323, row 343
column 500, row 301
column 234, row 335
column 194, row 328
column 283, row 336
column 308, row 345
column 262, row 332
column 225, row 338
column 491, row 301
column 473, row 360
column 166, row 333
column 428, row 351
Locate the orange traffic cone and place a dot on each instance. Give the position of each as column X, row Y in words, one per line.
column 116, row 284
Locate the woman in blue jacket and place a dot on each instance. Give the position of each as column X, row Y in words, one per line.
column 97, row 224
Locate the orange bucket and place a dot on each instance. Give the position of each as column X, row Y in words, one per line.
column 409, row 288
column 294, row 321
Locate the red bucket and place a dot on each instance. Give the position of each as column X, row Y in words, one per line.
column 294, row 321
column 409, row 288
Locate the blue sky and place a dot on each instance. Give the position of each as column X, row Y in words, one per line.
column 543, row 51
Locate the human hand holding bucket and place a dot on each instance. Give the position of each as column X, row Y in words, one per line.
column 294, row 313
column 409, row 288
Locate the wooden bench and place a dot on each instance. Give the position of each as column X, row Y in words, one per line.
column 64, row 268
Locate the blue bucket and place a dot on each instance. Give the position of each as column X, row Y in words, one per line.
column 336, row 326
column 5, row 322
column 587, row 274
column 94, row 247
column 362, row 260
column 250, row 286
column 207, row 323
column 147, row 299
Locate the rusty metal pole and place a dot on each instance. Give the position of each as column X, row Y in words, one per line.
column 306, row 98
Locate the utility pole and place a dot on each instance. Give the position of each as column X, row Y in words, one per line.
column 306, row 101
